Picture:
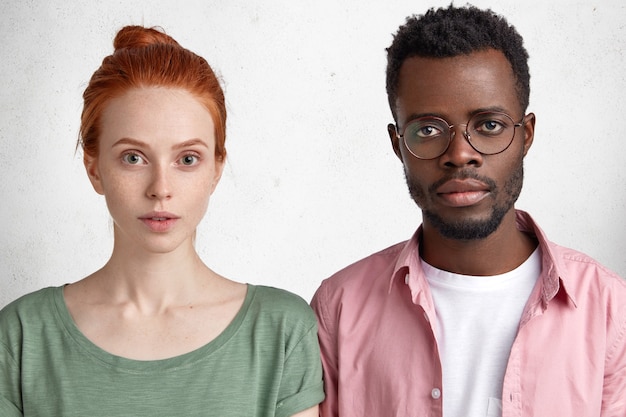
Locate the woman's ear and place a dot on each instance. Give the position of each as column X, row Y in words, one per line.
column 219, row 169
column 93, row 172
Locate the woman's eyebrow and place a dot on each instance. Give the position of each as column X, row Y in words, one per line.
column 191, row 142
column 138, row 143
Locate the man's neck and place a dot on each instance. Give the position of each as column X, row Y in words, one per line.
column 502, row 251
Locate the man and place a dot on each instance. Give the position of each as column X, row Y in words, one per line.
column 478, row 314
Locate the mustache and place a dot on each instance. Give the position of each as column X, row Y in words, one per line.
column 463, row 175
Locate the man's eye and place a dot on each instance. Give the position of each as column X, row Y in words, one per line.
column 427, row 131
column 490, row 127
column 132, row 158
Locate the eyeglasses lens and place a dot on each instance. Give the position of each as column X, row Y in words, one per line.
column 489, row 133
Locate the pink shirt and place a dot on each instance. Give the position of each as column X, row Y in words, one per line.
column 381, row 359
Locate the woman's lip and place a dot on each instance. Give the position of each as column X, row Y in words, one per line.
column 159, row 215
column 159, row 221
column 159, row 224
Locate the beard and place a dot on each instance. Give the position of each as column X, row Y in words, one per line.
column 470, row 229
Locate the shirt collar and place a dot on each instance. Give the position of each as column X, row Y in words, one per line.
column 408, row 267
column 554, row 274
column 408, row 271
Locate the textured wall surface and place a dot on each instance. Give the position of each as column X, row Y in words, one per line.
column 311, row 182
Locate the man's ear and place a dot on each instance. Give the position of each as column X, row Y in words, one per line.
column 529, row 131
column 93, row 172
column 395, row 140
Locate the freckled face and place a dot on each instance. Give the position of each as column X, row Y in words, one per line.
column 463, row 194
column 156, row 166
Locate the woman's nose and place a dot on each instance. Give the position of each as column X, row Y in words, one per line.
column 160, row 185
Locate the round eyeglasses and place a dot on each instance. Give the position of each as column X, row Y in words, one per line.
column 487, row 132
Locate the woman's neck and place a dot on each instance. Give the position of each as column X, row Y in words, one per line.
column 154, row 280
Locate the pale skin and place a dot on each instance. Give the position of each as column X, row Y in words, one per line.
column 455, row 88
column 157, row 169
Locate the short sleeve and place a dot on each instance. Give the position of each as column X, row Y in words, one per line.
column 10, row 395
column 9, row 383
column 9, row 410
column 301, row 386
column 320, row 304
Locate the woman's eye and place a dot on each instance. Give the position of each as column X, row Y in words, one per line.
column 189, row 160
column 132, row 158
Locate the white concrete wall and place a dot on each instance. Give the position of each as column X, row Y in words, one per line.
column 311, row 182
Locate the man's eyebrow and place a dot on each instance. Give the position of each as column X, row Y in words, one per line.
column 414, row 116
column 498, row 109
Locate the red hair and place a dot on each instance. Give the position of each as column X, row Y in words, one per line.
column 146, row 57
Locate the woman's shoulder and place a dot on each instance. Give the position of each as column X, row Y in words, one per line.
column 34, row 303
column 276, row 301
column 277, row 295
column 28, row 316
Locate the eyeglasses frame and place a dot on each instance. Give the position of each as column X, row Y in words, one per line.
column 466, row 134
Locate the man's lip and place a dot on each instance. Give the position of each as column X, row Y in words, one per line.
column 462, row 192
column 462, row 186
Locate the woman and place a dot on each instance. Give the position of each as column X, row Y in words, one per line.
column 155, row 332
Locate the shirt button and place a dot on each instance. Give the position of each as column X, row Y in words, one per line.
column 435, row 393
column 406, row 279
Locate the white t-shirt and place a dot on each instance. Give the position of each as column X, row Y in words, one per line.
column 477, row 321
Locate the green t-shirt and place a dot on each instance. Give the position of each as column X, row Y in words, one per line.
column 265, row 363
